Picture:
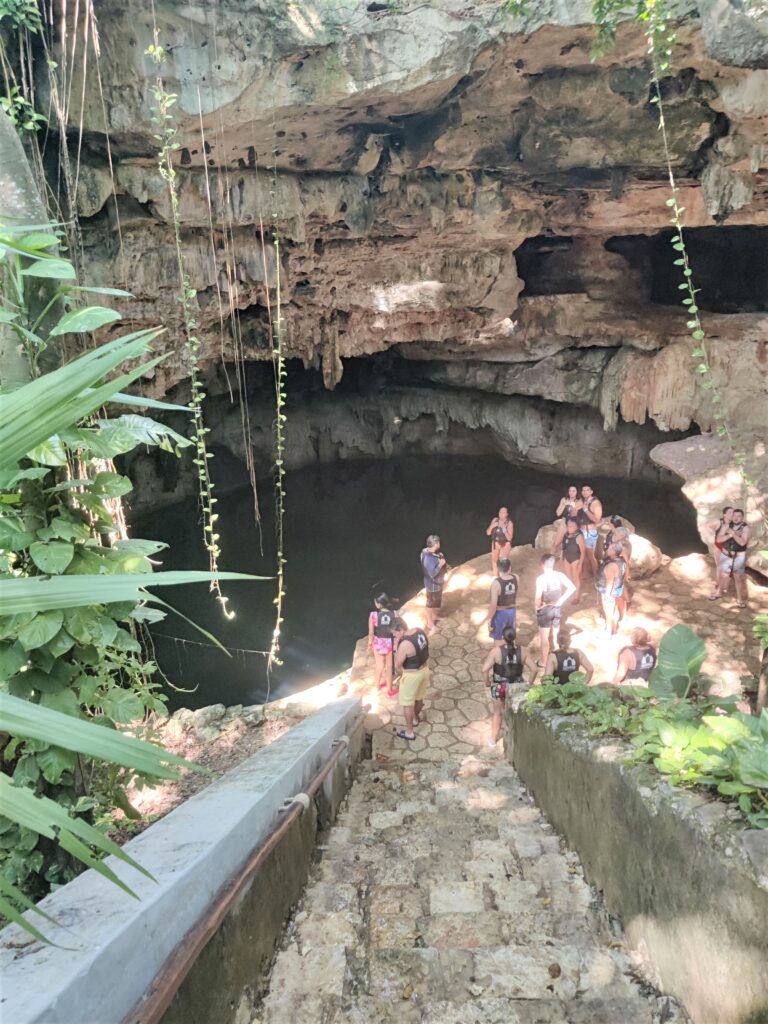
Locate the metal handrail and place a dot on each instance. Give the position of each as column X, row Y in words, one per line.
column 160, row 994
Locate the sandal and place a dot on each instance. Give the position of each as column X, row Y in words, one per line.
column 403, row 735
column 741, row 604
column 392, row 693
column 539, row 664
column 714, row 597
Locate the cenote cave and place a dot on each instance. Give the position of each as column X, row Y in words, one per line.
column 298, row 285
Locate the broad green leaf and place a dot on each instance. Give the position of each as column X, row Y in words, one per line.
column 64, row 701
column 7, row 316
column 146, row 614
column 42, row 628
column 122, row 706
column 140, row 547
column 12, row 658
column 100, row 291
column 38, row 240
column 49, row 819
column 113, row 485
column 33, row 594
column 123, row 641
column 42, row 681
column 20, row 718
column 54, row 762
column 58, row 270
column 80, row 321
column 80, row 624
column 31, row 414
column 753, row 765
column 681, row 654
column 50, row 453
column 727, row 728
column 60, row 644
column 52, row 556
column 14, row 536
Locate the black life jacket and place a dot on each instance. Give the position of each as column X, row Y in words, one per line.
column 419, row 640
column 511, row 667
column 645, row 659
column 571, row 546
column 582, row 517
column 507, row 592
column 567, row 662
column 602, row 582
column 499, row 535
column 732, row 546
column 383, row 623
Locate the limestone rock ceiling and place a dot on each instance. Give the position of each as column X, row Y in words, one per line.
column 464, row 187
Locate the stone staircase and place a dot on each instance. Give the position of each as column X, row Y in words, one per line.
column 444, row 897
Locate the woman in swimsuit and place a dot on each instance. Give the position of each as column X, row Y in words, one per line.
column 500, row 530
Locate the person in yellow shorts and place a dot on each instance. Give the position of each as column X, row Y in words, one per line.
column 411, row 658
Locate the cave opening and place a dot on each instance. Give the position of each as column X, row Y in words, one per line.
column 548, row 266
column 730, row 266
column 373, row 467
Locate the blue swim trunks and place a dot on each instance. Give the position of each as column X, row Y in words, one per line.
column 590, row 538
column 504, row 617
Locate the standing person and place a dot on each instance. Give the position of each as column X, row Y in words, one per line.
column 569, row 505
column 589, row 517
column 733, row 558
column 619, row 534
column 411, row 661
column 553, row 589
column 501, row 529
column 636, row 661
column 572, row 554
column 610, row 586
column 719, row 526
column 433, row 567
column 503, row 600
column 380, row 641
column 503, row 666
column 567, row 509
column 565, row 660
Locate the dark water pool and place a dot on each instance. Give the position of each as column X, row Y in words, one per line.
column 352, row 527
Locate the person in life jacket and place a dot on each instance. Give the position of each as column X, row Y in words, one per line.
column 637, row 661
column 589, row 517
column 503, row 666
column 434, row 568
column 619, row 534
column 503, row 600
column 567, row 508
column 610, row 586
column 572, row 554
column 411, row 662
column 565, row 660
column 733, row 558
column 553, row 589
column 718, row 528
column 381, row 642
column 501, row 529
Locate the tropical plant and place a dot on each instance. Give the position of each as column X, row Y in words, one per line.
column 689, row 736
column 73, row 592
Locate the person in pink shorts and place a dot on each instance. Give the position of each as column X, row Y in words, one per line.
column 381, row 643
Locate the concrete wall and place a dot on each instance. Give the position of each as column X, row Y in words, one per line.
column 117, row 944
column 688, row 882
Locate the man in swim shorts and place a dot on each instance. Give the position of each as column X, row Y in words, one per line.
column 589, row 517
column 411, row 661
column 503, row 599
column 553, row 589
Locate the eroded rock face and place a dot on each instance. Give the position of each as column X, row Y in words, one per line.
column 464, row 188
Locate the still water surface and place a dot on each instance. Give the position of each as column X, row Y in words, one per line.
column 352, row 528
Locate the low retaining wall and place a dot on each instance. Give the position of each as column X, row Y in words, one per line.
column 120, row 944
column 688, row 882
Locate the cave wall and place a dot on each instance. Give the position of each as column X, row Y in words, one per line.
column 463, row 188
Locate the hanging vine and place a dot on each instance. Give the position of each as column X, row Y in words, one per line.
column 166, row 136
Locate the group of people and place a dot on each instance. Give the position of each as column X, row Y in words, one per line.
column 401, row 653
